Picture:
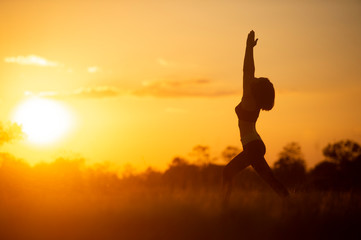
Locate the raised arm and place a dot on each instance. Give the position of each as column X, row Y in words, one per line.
column 248, row 65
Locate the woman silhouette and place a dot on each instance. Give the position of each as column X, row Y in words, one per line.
column 258, row 93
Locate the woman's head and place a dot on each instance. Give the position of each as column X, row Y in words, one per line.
column 264, row 93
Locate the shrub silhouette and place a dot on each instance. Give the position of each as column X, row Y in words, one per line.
column 342, row 151
column 290, row 167
column 201, row 154
column 229, row 153
column 325, row 176
column 341, row 169
column 65, row 176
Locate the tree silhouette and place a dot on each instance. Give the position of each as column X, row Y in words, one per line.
column 341, row 168
column 325, row 176
column 342, row 151
column 290, row 167
column 10, row 132
column 229, row 153
column 181, row 175
column 201, row 154
column 178, row 161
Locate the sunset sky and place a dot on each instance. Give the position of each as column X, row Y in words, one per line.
column 141, row 82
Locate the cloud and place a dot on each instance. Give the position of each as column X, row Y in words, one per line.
column 165, row 63
column 96, row 92
column 185, row 88
column 81, row 93
column 93, row 69
column 163, row 89
column 31, row 60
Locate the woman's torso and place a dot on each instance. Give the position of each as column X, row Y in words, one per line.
column 247, row 115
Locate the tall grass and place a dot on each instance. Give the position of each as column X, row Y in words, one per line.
column 64, row 200
column 181, row 215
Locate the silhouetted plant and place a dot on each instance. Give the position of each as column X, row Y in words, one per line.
column 10, row 132
column 342, row 151
column 14, row 175
column 67, row 175
column 229, row 153
column 290, row 167
column 201, row 154
column 178, row 161
column 341, row 168
column 181, row 175
column 325, row 176
column 128, row 170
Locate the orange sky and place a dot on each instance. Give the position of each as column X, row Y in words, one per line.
column 148, row 80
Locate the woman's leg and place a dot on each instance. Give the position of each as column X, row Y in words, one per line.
column 237, row 164
column 262, row 168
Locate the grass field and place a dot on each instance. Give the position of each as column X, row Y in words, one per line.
column 166, row 214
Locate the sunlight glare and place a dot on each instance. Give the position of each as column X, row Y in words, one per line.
column 44, row 121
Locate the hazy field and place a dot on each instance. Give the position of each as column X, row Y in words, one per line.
column 67, row 200
column 165, row 214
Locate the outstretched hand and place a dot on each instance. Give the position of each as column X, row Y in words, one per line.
column 250, row 39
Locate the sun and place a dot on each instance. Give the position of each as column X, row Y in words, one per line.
column 44, row 121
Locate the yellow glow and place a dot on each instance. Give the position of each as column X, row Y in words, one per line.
column 44, row 121
column 140, row 98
